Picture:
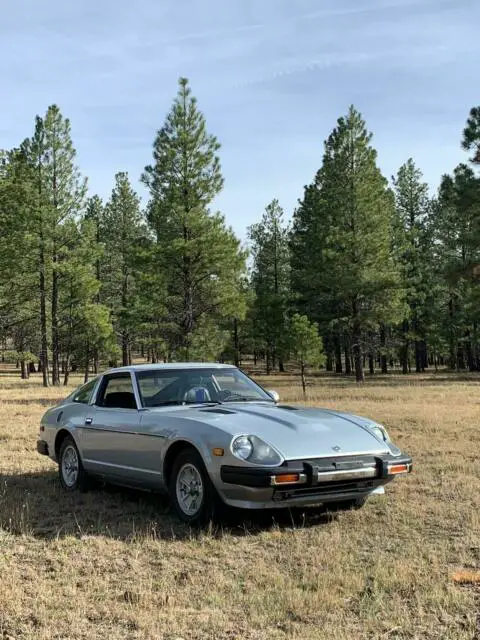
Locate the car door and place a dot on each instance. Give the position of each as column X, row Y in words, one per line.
column 113, row 443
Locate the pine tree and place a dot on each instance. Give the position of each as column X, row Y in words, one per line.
column 414, row 246
column 60, row 193
column 471, row 135
column 123, row 234
column 457, row 234
column 200, row 257
column 18, row 285
column 95, row 219
column 305, row 345
column 271, row 280
column 307, row 243
column 354, row 220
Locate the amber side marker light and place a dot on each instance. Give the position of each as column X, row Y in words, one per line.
column 287, row 478
column 398, row 468
column 218, row 452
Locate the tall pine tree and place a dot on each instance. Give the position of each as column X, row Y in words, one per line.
column 271, row 281
column 354, row 219
column 200, row 257
column 414, row 245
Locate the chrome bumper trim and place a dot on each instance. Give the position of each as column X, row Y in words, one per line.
column 347, row 474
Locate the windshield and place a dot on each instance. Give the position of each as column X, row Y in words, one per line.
column 197, row 386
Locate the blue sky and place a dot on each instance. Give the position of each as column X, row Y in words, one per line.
column 271, row 76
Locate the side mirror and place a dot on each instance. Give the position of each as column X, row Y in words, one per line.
column 274, row 395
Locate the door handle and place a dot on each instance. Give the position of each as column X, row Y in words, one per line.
column 88, row 420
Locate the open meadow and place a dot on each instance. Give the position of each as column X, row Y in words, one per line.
column 116, row 564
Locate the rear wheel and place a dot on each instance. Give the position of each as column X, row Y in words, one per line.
column 70, row 467
column 191, row 491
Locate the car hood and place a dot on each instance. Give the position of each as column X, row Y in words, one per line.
column 295, row 432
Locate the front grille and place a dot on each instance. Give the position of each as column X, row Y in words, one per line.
column 341, row 462
column 333, row 490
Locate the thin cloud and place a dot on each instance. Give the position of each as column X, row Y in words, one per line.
column 339, row 59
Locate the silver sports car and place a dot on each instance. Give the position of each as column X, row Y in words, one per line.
column 207, row 434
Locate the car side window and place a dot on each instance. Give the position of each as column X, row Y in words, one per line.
column 117, row 393
column 84, row 393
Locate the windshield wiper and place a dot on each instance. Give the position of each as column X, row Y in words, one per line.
column 165, row 403
column 205, row 402
column 182, row 403
column 244, row 399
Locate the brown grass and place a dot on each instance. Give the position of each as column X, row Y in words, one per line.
column 115, row 564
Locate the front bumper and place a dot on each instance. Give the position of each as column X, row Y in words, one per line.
column 314, row 481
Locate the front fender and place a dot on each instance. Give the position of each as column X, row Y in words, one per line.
column 204, row 440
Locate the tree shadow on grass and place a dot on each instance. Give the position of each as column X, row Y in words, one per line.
column 34, row 504
column 20, row 402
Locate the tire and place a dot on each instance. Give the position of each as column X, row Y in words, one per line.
column 189, row 472
column 69, row 457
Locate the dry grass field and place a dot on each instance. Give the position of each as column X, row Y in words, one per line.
column 115, row 564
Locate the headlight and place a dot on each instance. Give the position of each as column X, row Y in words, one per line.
column 380, row 432
column 242, row 447
column 256, row 451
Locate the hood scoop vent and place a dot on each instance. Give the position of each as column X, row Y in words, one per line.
column 222, row 411
column 287, row 407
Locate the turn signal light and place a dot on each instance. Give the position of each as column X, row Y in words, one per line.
column 218, row 452
column 286, row 478
column 398, row 468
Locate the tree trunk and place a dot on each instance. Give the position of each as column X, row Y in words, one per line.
column 371, row 364
column 453, row 360
column 329, row 363
column 460, row 358
column 268, row 363
column 338, row 354
column 23, row 370
column 235, row 343
column 383, row 347
column 472, row 366
column 43, row 317
column 348, row 357
column 419, row 357
column 304, row 382
column 31, row 367
column 95, row 361
column 124, row 349
column 424, row 355
column 87, row 362
column 357, row 344
column 55, row 340
column 66, row 376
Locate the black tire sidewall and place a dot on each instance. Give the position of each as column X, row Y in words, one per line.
column 81, row 483
column 207, row 510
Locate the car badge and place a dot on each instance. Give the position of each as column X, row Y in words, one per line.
column 337, row 448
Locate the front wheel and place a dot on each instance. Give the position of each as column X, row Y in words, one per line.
column 191, row 490
column 70, row 467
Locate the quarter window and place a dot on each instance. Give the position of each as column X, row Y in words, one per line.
column 84, row 393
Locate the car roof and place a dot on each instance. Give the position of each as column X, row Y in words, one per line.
column 172, row 366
